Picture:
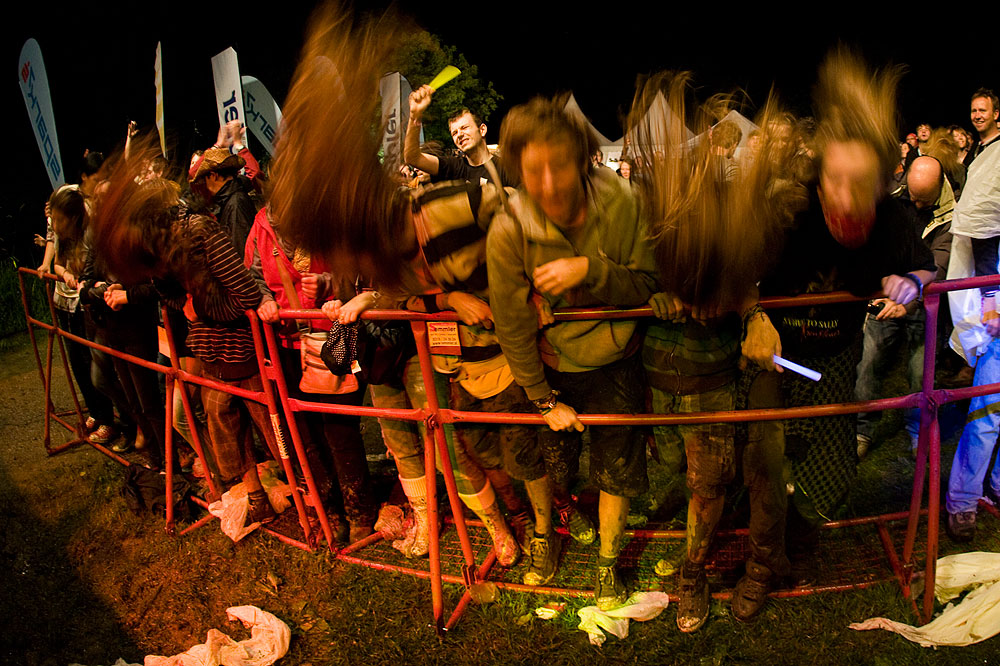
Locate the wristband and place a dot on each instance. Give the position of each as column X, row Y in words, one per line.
column 755, row 311
column 915, row 280
column 548, row 403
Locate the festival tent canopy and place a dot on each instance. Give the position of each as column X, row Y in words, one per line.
column 608, row 147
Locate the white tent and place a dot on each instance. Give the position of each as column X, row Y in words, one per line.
column 608, row 147
column 661, row 121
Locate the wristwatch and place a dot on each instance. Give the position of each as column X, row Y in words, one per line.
column 548, row 403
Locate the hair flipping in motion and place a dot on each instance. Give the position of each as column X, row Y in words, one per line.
column 854, row 104
column 330, row 195
column 713, row 235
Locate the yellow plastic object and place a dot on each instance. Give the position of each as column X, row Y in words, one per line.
column 444, row 76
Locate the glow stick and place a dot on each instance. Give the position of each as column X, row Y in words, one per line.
column 444, row 76
column 795, row 367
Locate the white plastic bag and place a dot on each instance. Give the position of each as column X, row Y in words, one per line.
column 232, row 509
column 268, row 642
column 975, row 619
column 640, row 606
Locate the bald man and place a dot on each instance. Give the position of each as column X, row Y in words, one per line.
column 932, row 196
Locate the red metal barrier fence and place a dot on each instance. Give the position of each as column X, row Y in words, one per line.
column 643, row 544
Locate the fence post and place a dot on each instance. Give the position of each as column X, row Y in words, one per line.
column 928, row 459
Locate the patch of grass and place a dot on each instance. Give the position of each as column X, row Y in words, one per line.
column 166, row 592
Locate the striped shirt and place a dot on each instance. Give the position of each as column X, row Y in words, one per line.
column 222, row 332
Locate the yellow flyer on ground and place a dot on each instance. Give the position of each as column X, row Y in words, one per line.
column 442, row 336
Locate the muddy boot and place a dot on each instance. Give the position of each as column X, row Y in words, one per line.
column 523, row 525
column 417, row 541
column 484, row 505
column 544, row 562
column 751, row 592
column 579, row 526
column 259, row 509
column 507, row 548
column 692, row 608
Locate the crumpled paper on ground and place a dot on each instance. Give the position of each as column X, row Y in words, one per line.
column 973, row 620
column 268, row 643
column 640, row 606
column 233, row 507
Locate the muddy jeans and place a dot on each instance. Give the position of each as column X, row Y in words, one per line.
column 511, row 447
column 763, row 461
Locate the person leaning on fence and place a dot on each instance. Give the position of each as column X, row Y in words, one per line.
column 574, row 236
column 452, row 275
column 327, row 169
column 277, row 266
column 125, row 318
column 712, row 231
column 931, row 194
column 68, row 224
column 425, row 260
column 145, row 230
column 850, row 236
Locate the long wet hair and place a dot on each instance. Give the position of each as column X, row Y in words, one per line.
column 712, row 239
column 330, row 194
column 71, row 205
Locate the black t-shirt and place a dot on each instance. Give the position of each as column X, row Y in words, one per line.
column 812, row 261
column 458, row 168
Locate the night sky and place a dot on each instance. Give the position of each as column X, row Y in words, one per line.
column 99, row 59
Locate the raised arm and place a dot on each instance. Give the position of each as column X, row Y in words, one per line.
column 420, row 99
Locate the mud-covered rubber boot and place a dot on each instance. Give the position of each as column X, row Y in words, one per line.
column 484, row 505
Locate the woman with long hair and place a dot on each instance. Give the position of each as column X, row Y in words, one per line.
column 68, row 212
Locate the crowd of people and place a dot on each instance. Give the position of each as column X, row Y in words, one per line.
column 503, row 240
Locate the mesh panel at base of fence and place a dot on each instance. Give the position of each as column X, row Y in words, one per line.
column 848, row 557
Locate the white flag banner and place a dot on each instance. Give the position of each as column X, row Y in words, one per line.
column 228, row 91
column 263, row 114
column 158, row 82
column 35, row 88
column 395, row 91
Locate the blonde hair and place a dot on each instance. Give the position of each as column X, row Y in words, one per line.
column 944, row 148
